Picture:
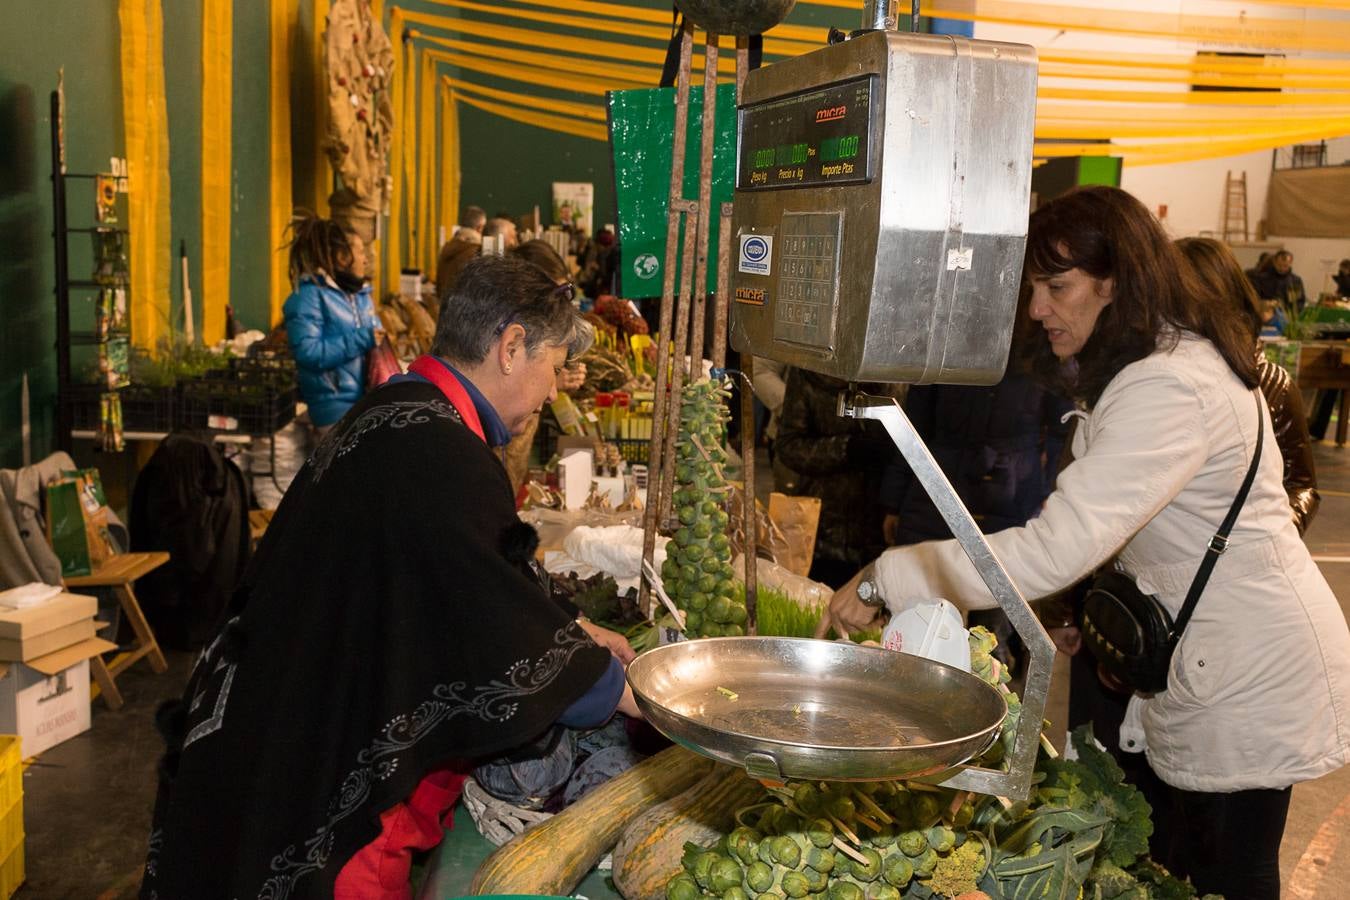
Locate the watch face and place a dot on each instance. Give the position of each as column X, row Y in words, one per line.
column 866, row 591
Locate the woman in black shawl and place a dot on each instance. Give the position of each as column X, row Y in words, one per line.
column 389, row 632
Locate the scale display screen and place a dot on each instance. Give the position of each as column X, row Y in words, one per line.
column 821, row 137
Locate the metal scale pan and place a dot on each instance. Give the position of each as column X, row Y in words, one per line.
column 795, row 708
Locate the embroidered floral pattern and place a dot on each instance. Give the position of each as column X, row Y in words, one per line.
column 397, row 414
column 496, row 701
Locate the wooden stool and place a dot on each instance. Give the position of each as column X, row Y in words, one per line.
column 258, row 520
column 118, row 573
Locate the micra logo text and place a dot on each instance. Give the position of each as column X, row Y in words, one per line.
column 830, row 113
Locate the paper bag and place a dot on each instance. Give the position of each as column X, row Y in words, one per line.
column 797, row 518
column 77, row 522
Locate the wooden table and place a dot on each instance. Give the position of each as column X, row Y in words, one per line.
column 1325, row 365
column 118, row 573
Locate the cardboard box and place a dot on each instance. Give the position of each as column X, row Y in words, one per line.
column 20, row 627
column 46, row 700
column 13, row 650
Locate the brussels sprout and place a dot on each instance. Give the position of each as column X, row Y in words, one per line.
column 796, row 885
column 725, row 874
column 820, row 859
column 741, row 844
column 711, row 629
column 845, row 890
column 764, row 851
column 927, row 807
column 702, row 870
column 726, row 587
column 720, row 542
column 897, row 869
column 702, row 529
column 880, row 890
column 688, row 574
column 698, row 600
column 912, row 843
column 941, row 838
column 736, row 616
column 693, row 553
column 709, row 507
column 819, row 881
column 884, row 837
column 964, row 815
column 759, row 876
column 707, row 583
column 693, row 620
column 923, row 866
column 684, row 472
column 682, row 887
column 820, row 831
column 712, row 565
column 868, row 871
column 806, row 797
column 732, row 630
column 770, row 895
column 786, row 851
column 735, row 893
column 719, row 609
column 841, row 808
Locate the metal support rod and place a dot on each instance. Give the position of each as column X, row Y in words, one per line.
column 655, row 462
column 721, row 302
column 1016, row 782
column 742, row 64
column 705, row 204
column 914, row 16
column 751, row 519
column 683, row 367
column 879, row 15
column 63, row 418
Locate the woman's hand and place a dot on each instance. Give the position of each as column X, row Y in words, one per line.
column 572, row 377
column 1068, row 639
column 612, row 641
column 846, row 613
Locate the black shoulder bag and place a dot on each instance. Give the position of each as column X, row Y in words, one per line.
column 1129, row 632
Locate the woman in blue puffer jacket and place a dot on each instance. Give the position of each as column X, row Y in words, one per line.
column 330, row 319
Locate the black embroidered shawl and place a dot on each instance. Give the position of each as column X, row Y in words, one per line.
column 382, row 630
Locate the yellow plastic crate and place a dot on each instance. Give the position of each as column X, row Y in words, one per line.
column 11, row 820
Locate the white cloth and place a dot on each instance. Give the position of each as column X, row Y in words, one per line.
column 615, row 550
column 1259, row 691
column 32, row 594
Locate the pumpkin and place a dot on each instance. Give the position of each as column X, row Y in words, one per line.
column 552, row 857
column 649, row 851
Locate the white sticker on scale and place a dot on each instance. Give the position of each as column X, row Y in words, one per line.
column 756, row 256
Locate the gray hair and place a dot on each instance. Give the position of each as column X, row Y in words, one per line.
column 496, row 291
column 473, row 217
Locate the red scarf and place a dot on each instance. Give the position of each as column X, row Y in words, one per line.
column 434, row 370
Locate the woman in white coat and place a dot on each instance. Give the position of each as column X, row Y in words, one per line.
column 1258, row 696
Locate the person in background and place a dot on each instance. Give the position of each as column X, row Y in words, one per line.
column 1279, row 283
column 1221, row 275
column 330, row 320
column 998, row 446
column 1342, row 279
column 1255, row 698
column 840, row 461
column 503, row 226
column 456, row 253
column 516, row 454
column 390, row 634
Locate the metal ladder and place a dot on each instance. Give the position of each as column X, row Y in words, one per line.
column 1235, row 207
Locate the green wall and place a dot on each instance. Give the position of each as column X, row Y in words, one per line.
column 83, row 36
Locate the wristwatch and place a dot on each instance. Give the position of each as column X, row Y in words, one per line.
column 869, row 594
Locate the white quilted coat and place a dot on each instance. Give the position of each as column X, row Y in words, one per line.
column 1259, row 691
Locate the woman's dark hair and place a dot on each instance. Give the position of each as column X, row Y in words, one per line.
column 495, row 291
column 1107, row 233
column 317, row 245
column 1222, row 276
column 545, row 257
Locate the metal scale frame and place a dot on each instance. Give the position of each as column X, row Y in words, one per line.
column 877, row 235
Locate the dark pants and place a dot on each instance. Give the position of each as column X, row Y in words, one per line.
column 1227, row 844
column 1324, row 405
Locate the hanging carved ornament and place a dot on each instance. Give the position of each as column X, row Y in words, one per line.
column 360, row 116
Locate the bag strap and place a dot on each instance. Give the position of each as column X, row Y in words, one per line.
column 1219, row 542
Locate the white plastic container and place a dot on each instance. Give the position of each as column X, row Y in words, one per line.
column 932, row 630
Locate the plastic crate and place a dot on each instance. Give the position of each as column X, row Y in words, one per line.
column 143, row 408
column 11, row 820
column 239, row 407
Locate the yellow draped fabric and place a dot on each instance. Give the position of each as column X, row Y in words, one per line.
column 281, row 204
column 408, row 238
column 217, row 75
column 391, row 251
column 145, row 120
column 427, row 165
column 448, row 170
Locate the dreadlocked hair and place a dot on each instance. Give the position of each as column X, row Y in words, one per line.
column 316, row 245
